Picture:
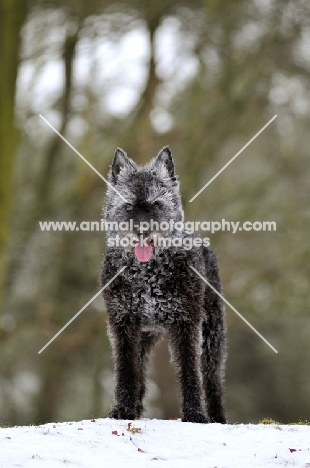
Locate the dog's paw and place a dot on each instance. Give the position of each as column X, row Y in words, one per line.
column 218, row 419
column 139, row 410
column 122, row 412
column 194, row 417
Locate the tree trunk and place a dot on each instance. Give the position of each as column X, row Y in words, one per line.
column 12, row 16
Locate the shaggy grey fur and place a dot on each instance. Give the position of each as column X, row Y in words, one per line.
column 161, row 295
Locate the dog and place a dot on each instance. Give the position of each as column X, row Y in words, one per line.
column 158, row 292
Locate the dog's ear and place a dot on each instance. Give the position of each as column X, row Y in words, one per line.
column 121, row 162
column 164, row 160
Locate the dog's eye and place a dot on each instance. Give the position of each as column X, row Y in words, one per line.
column 158, row 204
column 128, row 207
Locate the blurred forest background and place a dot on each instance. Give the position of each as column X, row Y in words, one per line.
column 202, row 76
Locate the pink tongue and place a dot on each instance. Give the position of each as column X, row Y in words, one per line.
column 143, row 253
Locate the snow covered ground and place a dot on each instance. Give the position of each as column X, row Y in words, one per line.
column 155, row 444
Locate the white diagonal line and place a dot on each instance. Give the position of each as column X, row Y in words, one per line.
column 235, row 310
column 232, row 159
column 83, row 308
column 82, row 157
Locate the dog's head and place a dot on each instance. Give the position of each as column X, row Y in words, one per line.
column 143, row 196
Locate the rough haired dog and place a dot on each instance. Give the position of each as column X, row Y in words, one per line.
column 158, row 292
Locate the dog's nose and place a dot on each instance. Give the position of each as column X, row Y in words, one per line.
column 143, row 232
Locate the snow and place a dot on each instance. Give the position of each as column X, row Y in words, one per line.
column 152, row 443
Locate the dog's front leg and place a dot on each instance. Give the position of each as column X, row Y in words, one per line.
column 125, row 339
column 184, row 343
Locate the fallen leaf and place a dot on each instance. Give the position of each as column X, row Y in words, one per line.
column 136, row 430
column 132, row 429
column 140, row 450
column 80, row 428
column 114, row 433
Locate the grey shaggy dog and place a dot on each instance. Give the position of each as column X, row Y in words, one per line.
column 158, row 292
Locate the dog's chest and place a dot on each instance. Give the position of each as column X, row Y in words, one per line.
column 154, row 296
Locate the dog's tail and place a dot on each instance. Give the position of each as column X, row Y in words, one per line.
column 213, row 341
